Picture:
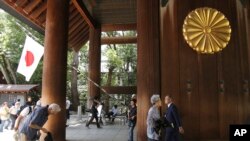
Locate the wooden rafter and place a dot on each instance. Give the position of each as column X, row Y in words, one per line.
column 118, row 40
column 85, row 13
column 13, row 10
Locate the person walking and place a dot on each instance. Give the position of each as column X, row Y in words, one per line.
column 153, row 117
column 132, row 116
column 5, row 116
column 172, row 116
column 94, row 114
column 67, row 111
column 13, row 113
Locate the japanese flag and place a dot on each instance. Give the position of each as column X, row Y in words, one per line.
column 31, row 55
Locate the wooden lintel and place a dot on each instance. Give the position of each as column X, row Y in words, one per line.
column 120, row 89
column 118, row 27
column 85, row 13
column 118, row 40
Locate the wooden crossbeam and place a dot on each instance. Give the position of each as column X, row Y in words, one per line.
column 118, row 40
column 120, row 89
column 118, row 27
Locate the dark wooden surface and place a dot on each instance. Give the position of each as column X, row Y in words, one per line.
column 195, row 80
column 55, row 65
column 118, row 40
column 120, row 89
column 94, row 63
column 148, row 71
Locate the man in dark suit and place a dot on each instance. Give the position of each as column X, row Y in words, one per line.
column 172, row 132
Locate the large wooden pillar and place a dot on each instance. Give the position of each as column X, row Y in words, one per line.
column 55, row 61
column 94, row 63
column 148, row 74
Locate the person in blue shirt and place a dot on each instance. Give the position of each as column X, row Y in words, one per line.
column 36, row 120
column 172, row 116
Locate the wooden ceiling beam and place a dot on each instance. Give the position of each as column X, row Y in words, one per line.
column 85, row 13
column 119, row 40
column 31, row 6
column 38, row 11
column 118, row 27
column 74, row 20
column 78, row 42
column 73, row 14
column 76, row 26
column 80, row 35
column 71, row 8
column 78, row 46
column 42, row 17
column 78, row 31
column 21, row 3
column 120, row 89
column 19, row 14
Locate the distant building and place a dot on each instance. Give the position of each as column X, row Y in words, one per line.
column 11, row 93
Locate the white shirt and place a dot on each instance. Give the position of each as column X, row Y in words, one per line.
column 169, row 105
column 14, row 110
column 25, row 111
column 99, row 109
column 39, row 103
column 67, row 104
column 114, row 110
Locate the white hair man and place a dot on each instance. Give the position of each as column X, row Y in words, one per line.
column 36, row 120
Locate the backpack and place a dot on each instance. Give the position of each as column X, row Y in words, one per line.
column 23, row 107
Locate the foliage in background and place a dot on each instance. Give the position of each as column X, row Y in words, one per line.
column 122, row 58
column 12, row 38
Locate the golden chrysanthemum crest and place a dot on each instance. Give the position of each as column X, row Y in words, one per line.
column 206, row 30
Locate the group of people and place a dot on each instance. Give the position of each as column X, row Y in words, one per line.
column 26, row 120
column 131, row 115
column 170, row 122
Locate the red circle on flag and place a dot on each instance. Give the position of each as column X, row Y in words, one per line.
column 29, row 58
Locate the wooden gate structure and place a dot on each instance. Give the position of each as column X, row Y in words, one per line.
column 211, row 91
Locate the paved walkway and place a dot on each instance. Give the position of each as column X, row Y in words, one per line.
column 76, row 131
column 109, row 132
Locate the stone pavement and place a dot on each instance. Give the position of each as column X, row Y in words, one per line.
column 109, row 132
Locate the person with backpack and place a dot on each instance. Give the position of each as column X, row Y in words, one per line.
column 22, row 115
column 36, row 120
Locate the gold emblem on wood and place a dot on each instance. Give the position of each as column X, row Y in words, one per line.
column 206, row 30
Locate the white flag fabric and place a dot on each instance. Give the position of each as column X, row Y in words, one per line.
column 31, row 55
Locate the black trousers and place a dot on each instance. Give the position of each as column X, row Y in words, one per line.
column 91, row 119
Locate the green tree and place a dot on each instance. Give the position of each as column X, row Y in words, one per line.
column 120, row 63
column 12, row 38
